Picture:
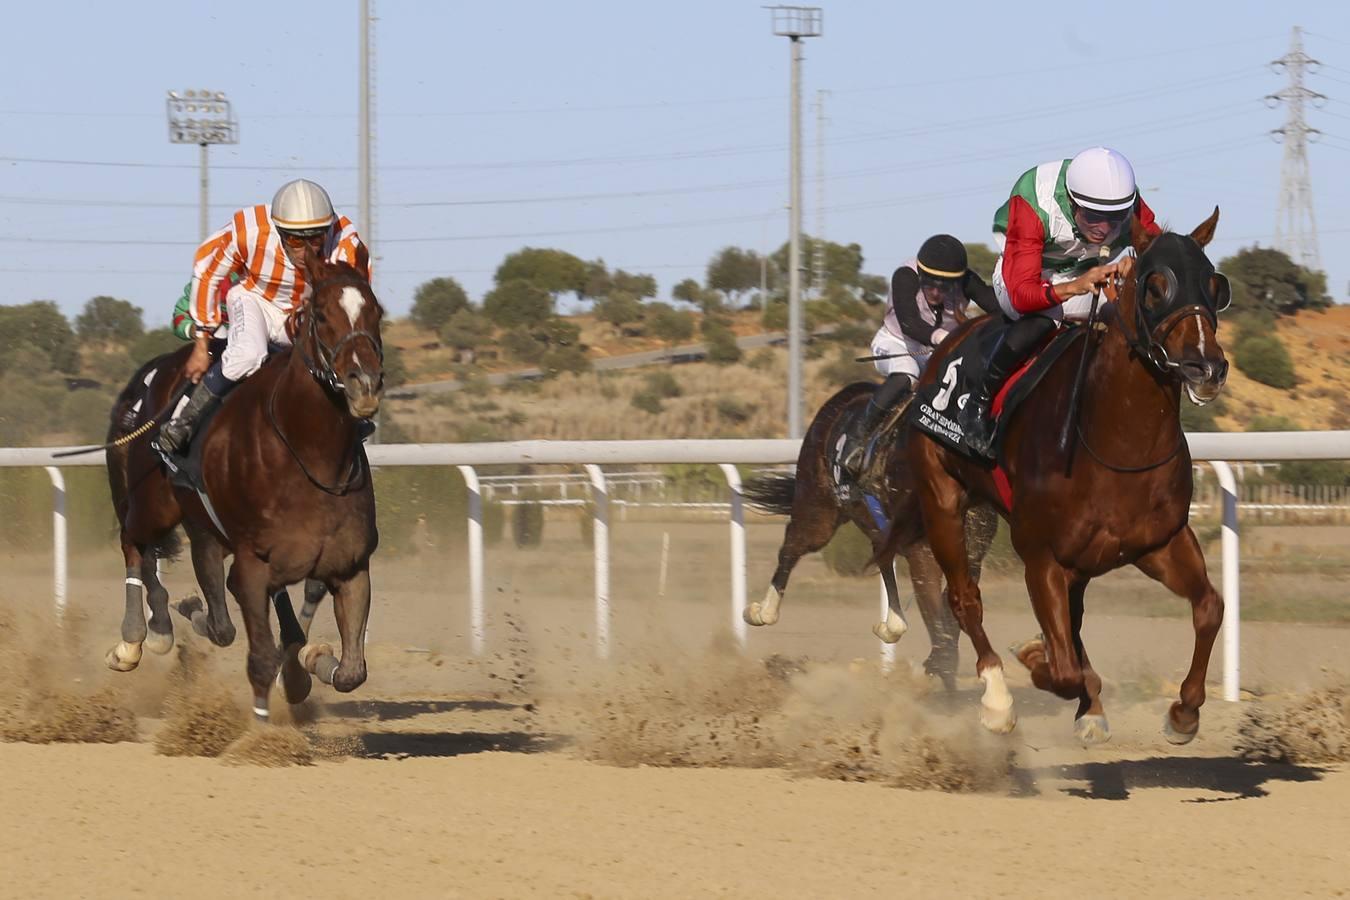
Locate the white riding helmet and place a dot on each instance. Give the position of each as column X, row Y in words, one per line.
column 1102, row 179
column 302, row 205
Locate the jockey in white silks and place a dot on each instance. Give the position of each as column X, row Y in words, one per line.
column 927, row 297
column 265, row 247
column 1063, row 218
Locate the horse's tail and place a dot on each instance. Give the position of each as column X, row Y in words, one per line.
column 771, row 493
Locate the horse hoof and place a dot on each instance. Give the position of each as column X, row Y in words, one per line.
column 756, row 614
column 1092, row 730
column 883, row 631
column 295, row 681
column 123, row 657
column 999, row 721
column 318, row 659
column 188, row 607
column 158, row 643
column 1030, row 653
column 1175, row 735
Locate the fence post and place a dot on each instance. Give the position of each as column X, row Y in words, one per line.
column 1232, row 599
column 733, row 477
column 59, row 567
column 477, row 631
column 600, row 498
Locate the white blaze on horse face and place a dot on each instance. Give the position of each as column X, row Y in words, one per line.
column 353, row 303
column 1200, row 327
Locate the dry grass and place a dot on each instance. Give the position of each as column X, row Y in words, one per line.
column 715, row 401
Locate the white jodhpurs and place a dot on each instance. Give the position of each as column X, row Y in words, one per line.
column 254, row 323
column 902, row 356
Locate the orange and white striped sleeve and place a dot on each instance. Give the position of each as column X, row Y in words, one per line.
column 216, row 259
column 350, row 249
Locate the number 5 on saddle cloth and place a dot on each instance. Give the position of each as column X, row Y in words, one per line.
column 935, row 406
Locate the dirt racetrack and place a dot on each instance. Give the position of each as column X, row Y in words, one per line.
column 677, row 769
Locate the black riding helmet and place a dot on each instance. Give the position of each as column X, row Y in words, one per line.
column 942, row 258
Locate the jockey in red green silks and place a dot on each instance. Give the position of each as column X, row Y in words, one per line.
column 265, row 247
column 928, row 296
column 1052, row 232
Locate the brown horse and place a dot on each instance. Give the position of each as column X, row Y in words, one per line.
column 815, row 512
column 1122, row 499
column 287, row 491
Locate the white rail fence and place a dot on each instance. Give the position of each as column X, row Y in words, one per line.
column 1216, row 449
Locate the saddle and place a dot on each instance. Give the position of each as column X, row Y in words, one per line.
column 935, row 406
column 185, row 469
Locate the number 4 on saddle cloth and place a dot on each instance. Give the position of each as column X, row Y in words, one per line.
column 935, row 408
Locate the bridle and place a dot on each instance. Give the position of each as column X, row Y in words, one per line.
column 326, row 377
column 1150, row 337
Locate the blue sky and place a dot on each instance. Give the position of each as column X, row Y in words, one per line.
column 649, row 135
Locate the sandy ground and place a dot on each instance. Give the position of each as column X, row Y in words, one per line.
column 677, row 768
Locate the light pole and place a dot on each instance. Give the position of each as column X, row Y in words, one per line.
column 202, row 118
column 795, row 23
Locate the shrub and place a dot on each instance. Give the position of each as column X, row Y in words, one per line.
column 1201, row 418
column 1263, row 358
column 722, row 348
column 565, row 359
column 647, row 402
column 762, row 360
column 734, row 411
column 663, row 384
column 847, row 552
column 436, row 301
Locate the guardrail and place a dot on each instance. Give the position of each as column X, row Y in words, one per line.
column 1216, row 449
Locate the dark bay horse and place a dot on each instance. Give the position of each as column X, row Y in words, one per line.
column 1122, row 497
column 287, row 492
column 815, row 513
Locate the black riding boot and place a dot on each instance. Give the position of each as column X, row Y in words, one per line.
column 176, row 434
column 1018, row 341
column 857, row 445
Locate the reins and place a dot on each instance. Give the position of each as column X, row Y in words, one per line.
column 327, row 379
column 1165, row 366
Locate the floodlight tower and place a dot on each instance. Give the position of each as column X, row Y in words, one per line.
column 795, row 23
column 202, row 118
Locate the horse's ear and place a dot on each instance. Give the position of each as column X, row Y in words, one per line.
column 1139, row 236
column 315, row 268
column 1204, row 232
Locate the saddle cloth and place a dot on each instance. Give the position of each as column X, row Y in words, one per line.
column 936, row 405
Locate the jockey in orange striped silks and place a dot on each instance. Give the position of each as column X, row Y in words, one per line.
column 265, row 247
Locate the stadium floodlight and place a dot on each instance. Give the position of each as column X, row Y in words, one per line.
column 796, row 23
column 203, row 118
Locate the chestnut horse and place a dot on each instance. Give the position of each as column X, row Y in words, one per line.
column 287, row 491
column 1122, row 499
column 815, row 513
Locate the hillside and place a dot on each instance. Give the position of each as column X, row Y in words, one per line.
column 747, row 399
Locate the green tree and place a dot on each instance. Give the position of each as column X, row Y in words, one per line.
column 981, row 258
column 1265, row 280
column 435, row 301
column 155, row 342
column 555, row 271
column 873, row 288
column 466, row 331
column 733, row 271
column 637, row 284
column 597, row 283
column 669, row 324
column 843, row 263
column 689, row 291
column 517, row 303
column 107, row 320
column 38, row 325
column 619, row 309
